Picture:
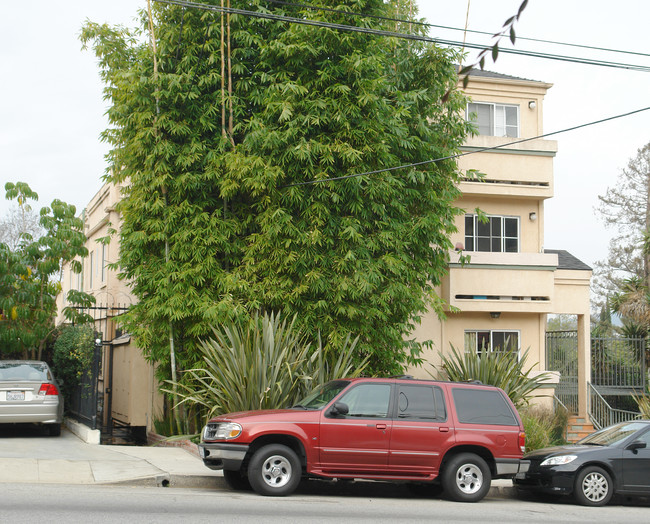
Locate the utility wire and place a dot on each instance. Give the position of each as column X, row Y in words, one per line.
column 458, row 155
column 428, row 25
column 420, row 38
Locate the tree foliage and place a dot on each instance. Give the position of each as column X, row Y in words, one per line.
column 626, row 208
column 219, row 141
column 28, row 283
column 73, row 356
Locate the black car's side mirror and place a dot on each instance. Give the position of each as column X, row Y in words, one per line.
column 637, row 444
column 339, row 408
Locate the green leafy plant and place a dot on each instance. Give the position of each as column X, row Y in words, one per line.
column 265, row 362
column 242, row 189
column 73, row 355
column 503, row 370
column 28, row 276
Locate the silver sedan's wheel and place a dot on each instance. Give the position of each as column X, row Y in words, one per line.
column 274, row 470
column 466, row 478
column 594, row 487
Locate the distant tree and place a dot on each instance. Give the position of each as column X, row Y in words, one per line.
column 561, row 323
column 626, row 208
column 221, row 134
column 29, row 276
column 18, row 222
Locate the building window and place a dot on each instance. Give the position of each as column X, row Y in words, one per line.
column 92, row 269
column 492, row 341
column 498, row 234
column 494, row 119
column 104, row 262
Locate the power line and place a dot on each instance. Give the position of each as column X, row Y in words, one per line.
column 458, row 155
column 384, row 33
column 451, row 28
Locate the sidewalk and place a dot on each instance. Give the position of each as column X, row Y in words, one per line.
column 69, row 460
column 33, row 458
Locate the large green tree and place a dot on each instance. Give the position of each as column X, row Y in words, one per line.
column 219, row 125
column 30, row 273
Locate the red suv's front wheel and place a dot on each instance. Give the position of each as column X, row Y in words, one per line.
column 274, row 470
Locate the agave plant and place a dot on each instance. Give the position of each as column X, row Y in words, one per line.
column 643, row 402
column 264, row 363
column 496, row 369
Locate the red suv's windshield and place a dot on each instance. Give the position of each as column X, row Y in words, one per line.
column 322, row 395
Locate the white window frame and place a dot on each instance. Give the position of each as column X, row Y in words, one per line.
column 497, row 125
column 503, row 238
column 490, row 348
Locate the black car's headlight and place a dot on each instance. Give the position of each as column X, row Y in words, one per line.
column 559, row 460
column 221, row 431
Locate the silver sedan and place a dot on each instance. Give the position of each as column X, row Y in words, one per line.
column 29, row 393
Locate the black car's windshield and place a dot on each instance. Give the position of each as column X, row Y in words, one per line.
column 612, row 434
column 322, row 395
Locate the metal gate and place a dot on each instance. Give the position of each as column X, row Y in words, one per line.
column 87, row 403
column 562, row 356
column 83, row 401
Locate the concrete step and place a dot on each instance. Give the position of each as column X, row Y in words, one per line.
column 578, row 428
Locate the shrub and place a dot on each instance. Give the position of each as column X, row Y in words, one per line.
column 496, row 369
column 259, row 364
column 73, row 355
column 543, row 427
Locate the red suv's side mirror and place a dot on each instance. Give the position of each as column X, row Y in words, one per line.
column 339, row 408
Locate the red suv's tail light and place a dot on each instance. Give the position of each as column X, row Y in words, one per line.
column 522, row 441
column 48, row 389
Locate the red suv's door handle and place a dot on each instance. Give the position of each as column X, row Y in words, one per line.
column 381, row 426
column 443, row 429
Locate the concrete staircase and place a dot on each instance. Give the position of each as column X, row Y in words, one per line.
column 578, row 428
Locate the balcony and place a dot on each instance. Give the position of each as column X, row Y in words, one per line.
column 522, row 170
column 515, row 282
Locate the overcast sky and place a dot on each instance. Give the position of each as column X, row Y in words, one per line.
column 52, row 112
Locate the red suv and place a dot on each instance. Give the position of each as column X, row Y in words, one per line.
column 450, row 435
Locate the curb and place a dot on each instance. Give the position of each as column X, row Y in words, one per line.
column 89, row 436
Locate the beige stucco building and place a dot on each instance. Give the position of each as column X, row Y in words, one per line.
column 499, row 301
column 501, row 298
column 127, row 389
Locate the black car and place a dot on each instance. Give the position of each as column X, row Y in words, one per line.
column 613, row 460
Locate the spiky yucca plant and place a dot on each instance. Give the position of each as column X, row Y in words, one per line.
column 264, row 363
column 495, row 369
column 643, row 402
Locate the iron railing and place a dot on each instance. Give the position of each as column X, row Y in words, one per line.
column 618, row 362
column 562, row 356
column 602, row 414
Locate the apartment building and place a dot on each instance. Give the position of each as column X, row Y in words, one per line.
column 500, row 300
column 127, row 390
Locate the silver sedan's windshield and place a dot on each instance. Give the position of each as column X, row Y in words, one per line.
column 322, row 395
column 613, row 434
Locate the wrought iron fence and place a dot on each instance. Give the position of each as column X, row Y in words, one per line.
column 562, row 356
column 602, row 414
column 83, row 401
column 618, row 362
